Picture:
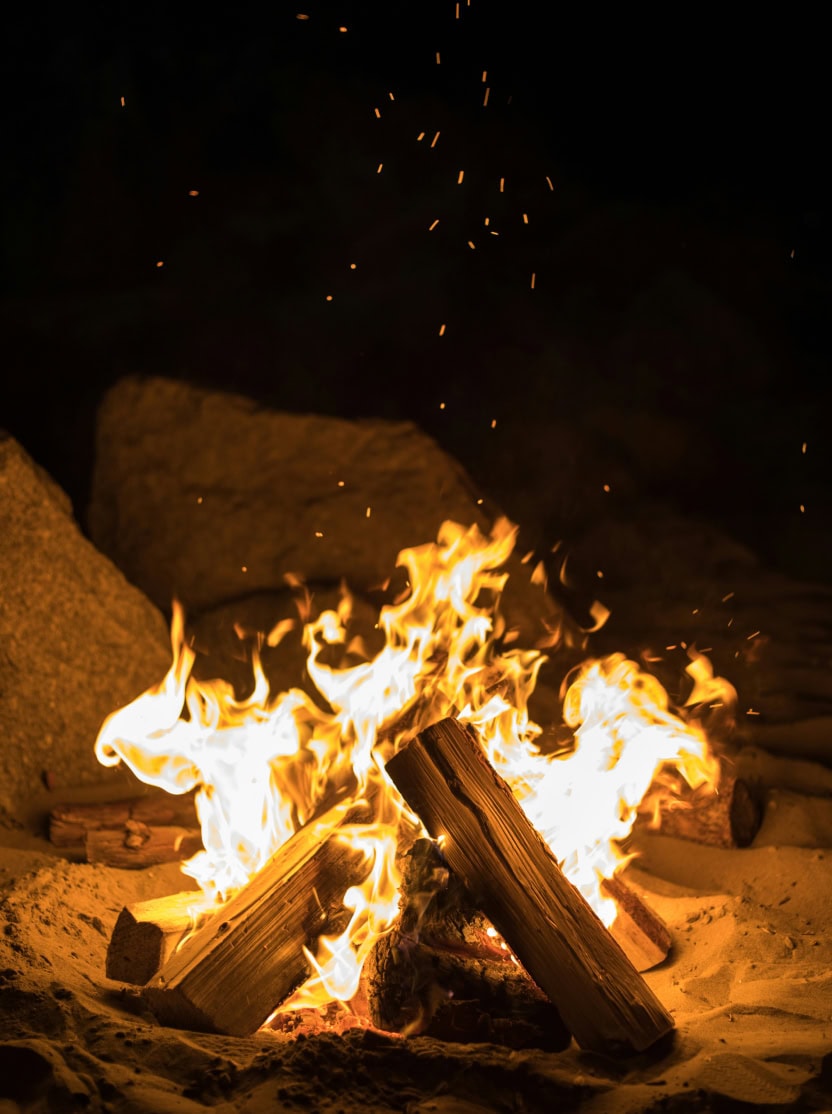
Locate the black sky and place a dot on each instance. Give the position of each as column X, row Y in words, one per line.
column 686, row 152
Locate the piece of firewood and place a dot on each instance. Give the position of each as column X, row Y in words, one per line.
column 236, row 969
column 135, row 845
column 512, row 875
column 728, row 817
column 69, row 824
column 442, row 971
column 640, row 932
column 147, row 933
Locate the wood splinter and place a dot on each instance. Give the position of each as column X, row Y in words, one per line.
column 511, row 873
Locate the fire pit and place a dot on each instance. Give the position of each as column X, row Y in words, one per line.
column 620, row 907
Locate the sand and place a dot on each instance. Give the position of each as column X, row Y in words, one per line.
column 748, row 983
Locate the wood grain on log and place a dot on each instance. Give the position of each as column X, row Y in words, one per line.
column 248, row 958
column 512, row 875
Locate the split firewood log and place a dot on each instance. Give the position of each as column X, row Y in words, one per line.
column 445, row 777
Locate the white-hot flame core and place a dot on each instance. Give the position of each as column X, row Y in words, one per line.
column 263, row 765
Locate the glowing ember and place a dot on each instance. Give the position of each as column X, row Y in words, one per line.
column 265, row 765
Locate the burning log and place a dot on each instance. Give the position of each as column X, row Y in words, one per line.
column 147, row 933
column 442, row 972
column 249, row 957
column 70, row 824
column 729, row 817
column 488, row 841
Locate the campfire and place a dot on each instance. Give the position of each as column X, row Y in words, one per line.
column 434, row 828
column 313, row 802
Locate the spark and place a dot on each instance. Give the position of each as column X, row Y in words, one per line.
column 460, row 176
column 754, row 635
column 803, row 448
column 802, row 509
column 380, row 165
column 485, row 96
column 493, row 423
column 433, row 141
column 502, row 185
column 432, row 226
column 525, row 218
column 319, row 534
column 377, row 112
column 302, row 15
column 534, row 276
column 368, row 512
column 160, row 262
column 390, row 95
column 199, row 498
column 329, row 297
column 243, row 568
column 730, row 596
column 484, row 76
column 438, row 59
column 343, row 30
column 353, row 266
column 193, row 193
column 549, row 182
column 441, row 330
column 340, row 483
column 123, row 102
column 607, row 488
column 472, row 245
column 441, row 405
column 420, row 137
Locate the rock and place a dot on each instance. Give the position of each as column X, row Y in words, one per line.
column 77, row 640
column 208, row 497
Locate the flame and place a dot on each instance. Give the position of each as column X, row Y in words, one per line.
column 265, row 765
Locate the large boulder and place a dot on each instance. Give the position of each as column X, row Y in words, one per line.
column 76, row 639
column 208, row 497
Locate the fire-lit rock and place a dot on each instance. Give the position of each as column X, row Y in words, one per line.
column 76, row 638
column 208, row 497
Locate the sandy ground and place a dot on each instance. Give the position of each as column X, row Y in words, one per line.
column 748, row 982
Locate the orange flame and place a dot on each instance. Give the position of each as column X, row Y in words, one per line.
column 262, row 766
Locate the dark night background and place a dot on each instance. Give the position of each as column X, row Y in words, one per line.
column 681, row 261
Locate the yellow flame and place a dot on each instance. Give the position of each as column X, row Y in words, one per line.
column 262, row 766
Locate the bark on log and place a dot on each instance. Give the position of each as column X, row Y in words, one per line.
column 440, row 972
column 248, row 958
column 512, row 875
column 135, row 845
column 69, row 824
column 147, row 933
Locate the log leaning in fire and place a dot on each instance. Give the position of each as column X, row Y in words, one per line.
column 513, row 876
column 442, row 971
column 233, row 972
